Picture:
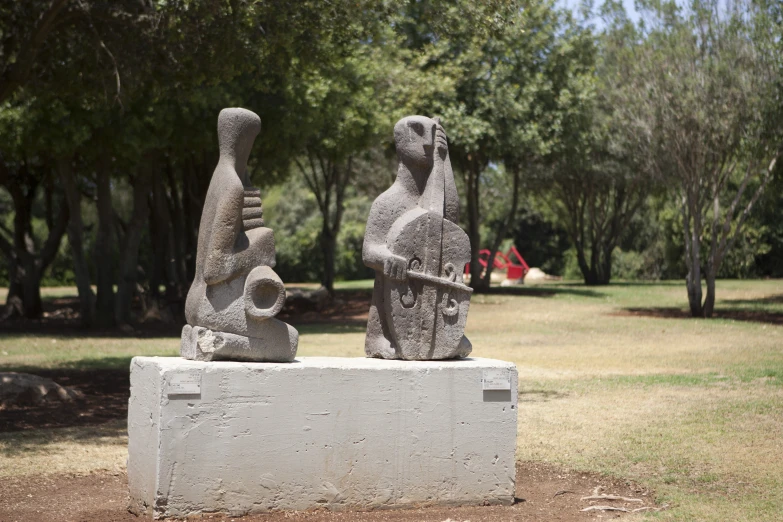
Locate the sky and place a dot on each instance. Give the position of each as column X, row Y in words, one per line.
column 628, row 4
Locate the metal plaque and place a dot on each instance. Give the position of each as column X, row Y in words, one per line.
column 185, row 384
column 496, row 380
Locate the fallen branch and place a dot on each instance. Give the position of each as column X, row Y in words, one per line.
column 606, row 508
column 562, row 492
column 612, row 497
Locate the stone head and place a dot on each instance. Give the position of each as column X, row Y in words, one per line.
column 415, row 138
column 237, row 129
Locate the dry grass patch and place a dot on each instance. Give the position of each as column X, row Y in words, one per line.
column 691, row 408
column 713, row 451
column 335, row 341
column 571, row 336
column 44, row 351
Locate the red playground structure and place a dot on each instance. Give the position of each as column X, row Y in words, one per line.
column 503, row 262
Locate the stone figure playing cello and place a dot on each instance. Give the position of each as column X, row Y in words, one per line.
column 412, row 241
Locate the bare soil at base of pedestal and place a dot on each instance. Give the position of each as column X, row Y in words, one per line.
column 544, row 492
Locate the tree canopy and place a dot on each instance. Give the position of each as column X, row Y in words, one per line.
column 649, row 143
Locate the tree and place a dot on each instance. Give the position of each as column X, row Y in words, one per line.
column 595, row 179
column 56, row 85
column 26, row 26
column 705, row 84
column 72, row 191
column 341, row 109
column 503, row 99
column 346, row 104
column 138, row 69
column 29, row 254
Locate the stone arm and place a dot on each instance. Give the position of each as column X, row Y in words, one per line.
column 452, row 199
column 231, row 252
column 375, row 252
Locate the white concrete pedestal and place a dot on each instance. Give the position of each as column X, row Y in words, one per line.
column 327, row 432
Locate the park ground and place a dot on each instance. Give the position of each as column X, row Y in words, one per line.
column 618, row 388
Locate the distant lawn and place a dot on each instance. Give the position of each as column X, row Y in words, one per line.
column 47, row 292
column 690, row 408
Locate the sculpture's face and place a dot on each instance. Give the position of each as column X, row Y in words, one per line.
column 415, row 140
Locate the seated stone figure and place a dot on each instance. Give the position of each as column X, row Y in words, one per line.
column 235, row 294
column 412, row 241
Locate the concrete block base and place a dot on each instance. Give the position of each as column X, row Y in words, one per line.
column 319, row 432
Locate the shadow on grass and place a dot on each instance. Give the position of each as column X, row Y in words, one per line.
column 668, row 283
column 119, row 363
column 346, row 313
column 540, row 395
column 18, row 444
column 545, row 291
column 74, row 329
column 106, row 391
column 86, row 364
column 732, row 314
column 61, row 318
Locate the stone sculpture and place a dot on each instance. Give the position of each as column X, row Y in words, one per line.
column 412, row 241
column 232, row 303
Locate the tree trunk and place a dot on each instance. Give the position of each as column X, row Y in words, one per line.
column 14, row 285
column 29, row 264
column 75, row 239
column 31, row 288
column 12, row 298
column 104, row 266
column 500, row 234
column 191, row 215
column 709, row 299
column 28, row 283
column 474, row 232
column 328, row 250
column 599, row 273
column 130, row 250
column 178, row 227
column 155, row 273
column 606, row 264
column 166, row 242
column 581, row 260
column 693, row 279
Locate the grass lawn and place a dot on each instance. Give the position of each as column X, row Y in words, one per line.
column 690, row 408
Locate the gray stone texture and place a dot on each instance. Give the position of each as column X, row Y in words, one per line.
column 321, row 433
column 24, row 389
column 235, row 293
column 420, row 303
column 278, row 344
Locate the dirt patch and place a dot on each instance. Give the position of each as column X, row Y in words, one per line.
column 106, row 394
column 753, row 316
column 61, row 317
column 544, row 492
